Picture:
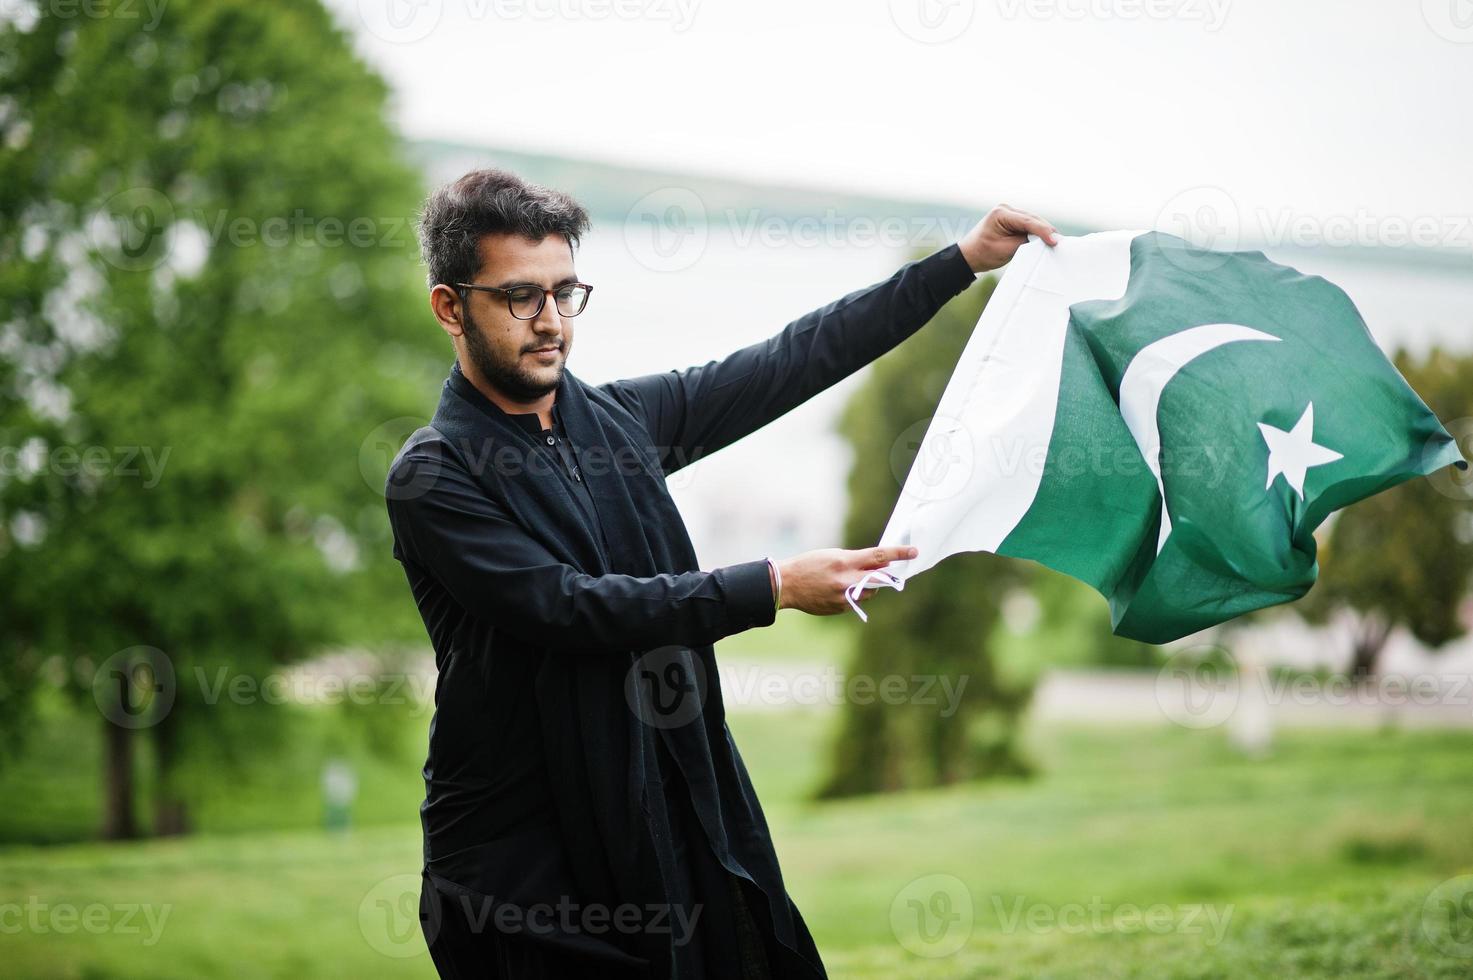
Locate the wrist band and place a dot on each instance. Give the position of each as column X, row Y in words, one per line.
column 777, row 601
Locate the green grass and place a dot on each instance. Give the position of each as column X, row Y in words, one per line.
column 1320, row 857
column 1317, row 859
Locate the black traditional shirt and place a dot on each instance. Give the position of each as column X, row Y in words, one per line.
column 542, row 576
column 555, row 437
column 724, row 931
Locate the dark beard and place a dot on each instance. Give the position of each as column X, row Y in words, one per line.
column 509, row 379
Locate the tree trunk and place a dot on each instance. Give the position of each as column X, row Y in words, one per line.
column 118, row 822
column 1366, row 651
column 170, row 810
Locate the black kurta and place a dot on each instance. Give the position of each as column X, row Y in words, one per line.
column 543, row 573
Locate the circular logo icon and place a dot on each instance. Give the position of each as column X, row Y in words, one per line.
column 1451, row 20
column 1447, row 917
column 1454, row 481
column 1207, row 219
column 1199, row 686
column 131, row 231
column 400, row 21
column 376, row 455
column 400, row 915
column 135, row 688
column 933, row 459
column 932, row 21
column 666, row 230
column 932, row 916
column 666, row 687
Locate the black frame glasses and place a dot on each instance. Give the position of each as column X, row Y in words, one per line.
column 542, row 295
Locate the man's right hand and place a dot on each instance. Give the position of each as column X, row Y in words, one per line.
column 814, row 581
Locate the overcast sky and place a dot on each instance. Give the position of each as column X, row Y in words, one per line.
column 1105, row 111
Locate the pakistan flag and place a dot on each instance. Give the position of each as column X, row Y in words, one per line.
column 1166, row 423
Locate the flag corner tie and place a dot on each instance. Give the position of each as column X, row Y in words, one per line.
column 884, row 580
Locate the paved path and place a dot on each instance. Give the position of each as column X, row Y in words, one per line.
column 1177, row 695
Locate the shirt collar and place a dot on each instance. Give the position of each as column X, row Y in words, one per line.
column 472, row 394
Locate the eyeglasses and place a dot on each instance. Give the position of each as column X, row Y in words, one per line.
column 525, row 302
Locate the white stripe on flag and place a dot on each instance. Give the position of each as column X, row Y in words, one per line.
column 971, row 482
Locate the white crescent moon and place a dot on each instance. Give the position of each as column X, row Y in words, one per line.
column 1146, row 377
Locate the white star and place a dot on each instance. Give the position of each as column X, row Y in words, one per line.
column 1292, row 453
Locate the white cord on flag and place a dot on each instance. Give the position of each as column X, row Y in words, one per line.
column 886, row 581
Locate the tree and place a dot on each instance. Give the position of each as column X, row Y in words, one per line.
column 1405, row 557
column 941, row 630
column 212, row 310
column 1074, row 628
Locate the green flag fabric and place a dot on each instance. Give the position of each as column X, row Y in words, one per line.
column 1166, row 423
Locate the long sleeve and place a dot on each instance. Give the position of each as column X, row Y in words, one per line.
column 495, row 570
column 696, row 411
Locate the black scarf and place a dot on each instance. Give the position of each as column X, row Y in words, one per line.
column 599, row 754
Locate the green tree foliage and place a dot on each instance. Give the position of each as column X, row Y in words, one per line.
column 211, row 332
column 1405, row 557
column 942, row 626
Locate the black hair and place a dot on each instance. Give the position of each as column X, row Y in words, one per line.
column 488, row 202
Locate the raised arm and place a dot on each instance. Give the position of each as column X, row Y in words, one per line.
column 696, row 411
column 497, row 571
column 701, row 409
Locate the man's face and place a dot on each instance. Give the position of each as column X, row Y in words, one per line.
column 506, row 351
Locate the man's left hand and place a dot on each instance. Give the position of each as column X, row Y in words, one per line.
column 1005, row 229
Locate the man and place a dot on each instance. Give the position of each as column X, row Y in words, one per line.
column 586, row 811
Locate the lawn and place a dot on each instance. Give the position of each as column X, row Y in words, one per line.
column 1150, row 853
